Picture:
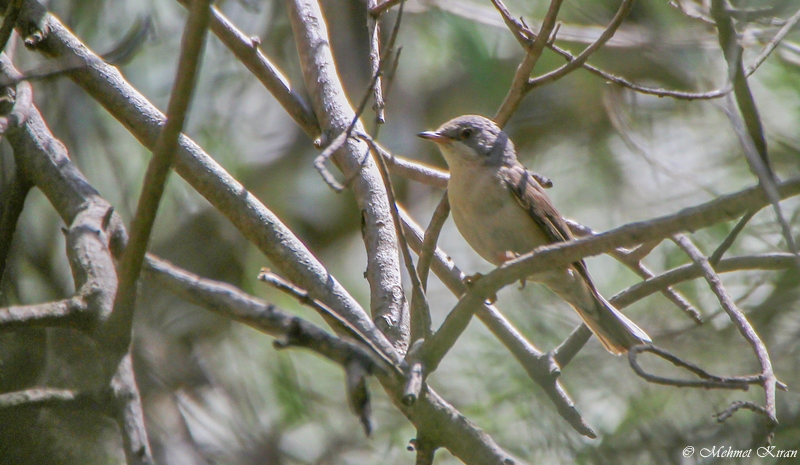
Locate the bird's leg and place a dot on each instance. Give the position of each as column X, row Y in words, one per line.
column 507, row 256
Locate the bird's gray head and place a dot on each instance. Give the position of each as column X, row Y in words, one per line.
column 472, row 139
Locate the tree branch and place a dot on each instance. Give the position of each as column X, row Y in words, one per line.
column 572, row 65
column 519, row 85
column 768, row 378
column 259, row 225
column 389, row 309
column 155, row 178
column 773, row 261
column 246, row 50
column 539, row 366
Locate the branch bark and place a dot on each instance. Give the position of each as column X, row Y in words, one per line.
column 387, row 301
column 107, row 86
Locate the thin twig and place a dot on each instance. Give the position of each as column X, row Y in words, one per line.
column 732, row 50
column 374, row 27
column 569, row 348
column 707, row 380
column 526, row 37
column 381, row 7
column 736, row 406
column 571, row 66
column 632, row 260
column 746, row 121
column 766, row 178
column 787, row 27
column 339, row 324
column 246, row 50
column 431, row 238
column 519, row 86
column 768, row 378
column 416, row 171
column 678, row 4
column 339, row 141
column 723, row 247
column 772, row 261
column 158, row 169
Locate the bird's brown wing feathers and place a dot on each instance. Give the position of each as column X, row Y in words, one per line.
column 531, row 196
column 615, row 331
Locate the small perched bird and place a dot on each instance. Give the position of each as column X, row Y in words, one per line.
column 502, row 211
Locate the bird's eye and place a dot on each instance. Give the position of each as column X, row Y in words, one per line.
column 465, row 133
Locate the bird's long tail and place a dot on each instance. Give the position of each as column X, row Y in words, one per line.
column 616, row 332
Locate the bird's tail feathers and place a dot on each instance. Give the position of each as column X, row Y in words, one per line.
column 615, row 331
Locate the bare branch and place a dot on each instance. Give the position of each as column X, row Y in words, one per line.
column 374, row 27
column 94, row 233
column 330, row 103
column 245, row 211
column 768, row 378
column 539, row 366
column 231, row 302
column 416, row 171
column 246, row 49
column 721, row 209
column 383, row 6
column 454, row 431
column 420, row 310
column 526, row 37
column 762, row 170
column 706, row 381
column 129, row 415
column 736, row 406
column 728, row 242
column 431, row 238
column 572, row 65
column 155, row 178
column 569, row 348
column 774, row 261
column 732, row 51
column 774, row 42
column 49, row 398
column 632, row 259
column 519, row 86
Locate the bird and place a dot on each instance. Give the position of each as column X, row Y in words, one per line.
column 502, row 211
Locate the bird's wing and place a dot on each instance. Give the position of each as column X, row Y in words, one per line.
column 531, row 196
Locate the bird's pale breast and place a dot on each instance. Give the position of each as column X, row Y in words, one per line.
column 491, row 221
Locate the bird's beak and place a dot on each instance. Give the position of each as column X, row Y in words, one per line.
column 433, row 136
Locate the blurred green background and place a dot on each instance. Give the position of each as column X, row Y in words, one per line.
column 217, row 392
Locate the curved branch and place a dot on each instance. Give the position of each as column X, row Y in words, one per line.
column 768, row 379
column 572, row 65
column 772, row 261
column 246, row 49
column 389, row 309
column 258, row 224
column 707, row 380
